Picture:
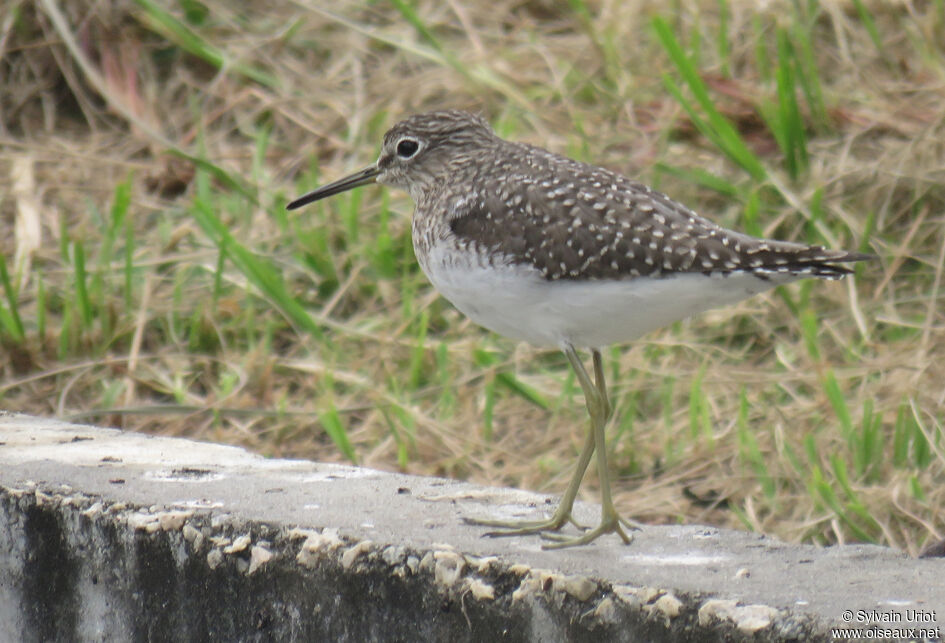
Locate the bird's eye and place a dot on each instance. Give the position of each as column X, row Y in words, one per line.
column 407, row 148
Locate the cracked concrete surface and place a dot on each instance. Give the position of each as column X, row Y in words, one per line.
column 108, row 535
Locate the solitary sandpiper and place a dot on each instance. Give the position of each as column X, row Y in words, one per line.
column 541, row 248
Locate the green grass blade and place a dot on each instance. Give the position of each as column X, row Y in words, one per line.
column 717, row 128
column 750, row 218
column 698, row 176
column 866, row 18
column 413, row 18
column 915, row 488
column 163, row 23
column 446, row 403
column 260, row 272
column 486, row 359
column 700, row 422
column 792, row 136
column 820, row 489
column 418, row 352
column 854, row 505
column 722, row 42
column 839, row 403
column 41, row 307
column 810, row 329
column 81, row 285
column 402, row 451
column 116, row 221
column 129, row 267
column 10, row 316
column 383, row 257
column 523, row 390
column 762, row 61
column 921, row 449
column 488, row 410
column 750, row 450
column 602, row 39
column 871, row 443
column 334, row 426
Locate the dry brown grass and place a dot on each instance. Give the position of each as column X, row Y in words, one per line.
column 195, row 349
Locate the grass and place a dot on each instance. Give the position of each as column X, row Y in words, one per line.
column 151, row 278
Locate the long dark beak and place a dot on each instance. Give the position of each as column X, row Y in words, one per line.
column 365, row 176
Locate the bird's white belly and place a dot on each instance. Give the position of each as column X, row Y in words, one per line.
column 517, row 302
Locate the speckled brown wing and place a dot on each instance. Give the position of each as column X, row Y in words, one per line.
column 614, row 228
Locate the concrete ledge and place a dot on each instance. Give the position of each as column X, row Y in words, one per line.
column 106, row 535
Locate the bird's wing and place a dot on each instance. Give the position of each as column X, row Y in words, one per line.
column 601, row 225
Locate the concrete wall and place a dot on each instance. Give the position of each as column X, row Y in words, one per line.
column 106, row 535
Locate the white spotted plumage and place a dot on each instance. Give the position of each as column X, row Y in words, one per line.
column 548, row 250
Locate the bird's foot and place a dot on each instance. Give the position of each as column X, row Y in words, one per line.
column 524, row 527
column 610, row 523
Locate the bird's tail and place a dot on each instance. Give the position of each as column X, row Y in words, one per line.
column 813, row 261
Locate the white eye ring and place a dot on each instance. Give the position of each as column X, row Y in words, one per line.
column 407, row 147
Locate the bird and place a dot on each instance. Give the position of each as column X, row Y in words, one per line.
column 559, row 253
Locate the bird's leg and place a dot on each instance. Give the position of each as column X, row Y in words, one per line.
column 602, row 387
column 562, row 513
column 598, row 406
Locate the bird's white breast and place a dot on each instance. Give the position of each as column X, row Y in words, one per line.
column 516, row 301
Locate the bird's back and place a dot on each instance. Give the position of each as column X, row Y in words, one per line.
column 570, row 220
